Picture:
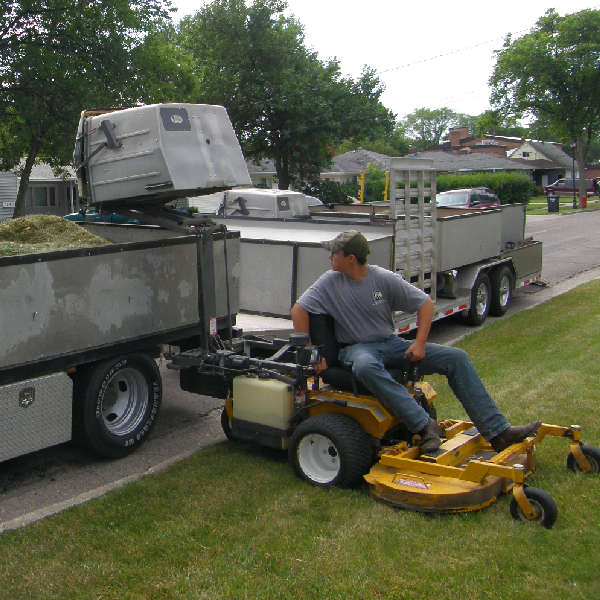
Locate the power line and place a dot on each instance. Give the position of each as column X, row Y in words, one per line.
column 464, row 49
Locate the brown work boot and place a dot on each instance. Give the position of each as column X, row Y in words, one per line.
column 430, row 437
column 512, row 435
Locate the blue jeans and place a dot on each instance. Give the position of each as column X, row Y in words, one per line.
column 369, row 363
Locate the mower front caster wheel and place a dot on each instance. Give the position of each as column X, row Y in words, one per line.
column 593, row 457
column 331, row 449
column 543, row 504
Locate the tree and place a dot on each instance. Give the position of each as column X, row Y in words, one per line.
column 552, row 74
column 284, row 102
column 427, row 126
column 58, row 57
column 495, row 122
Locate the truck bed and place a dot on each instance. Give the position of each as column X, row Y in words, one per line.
column 63, row 308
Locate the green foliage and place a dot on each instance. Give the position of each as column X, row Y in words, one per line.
column 428, row 126
column 331, row 192
column 374, row 183
column 58, row 58
column 283, row 101
column 511, row 188
column 552, row 74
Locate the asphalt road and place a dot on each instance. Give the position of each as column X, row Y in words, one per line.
column 51, row 480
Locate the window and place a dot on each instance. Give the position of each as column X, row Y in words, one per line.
column 525, row 154
column 43, row 196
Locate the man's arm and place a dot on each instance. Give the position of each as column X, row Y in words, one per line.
column 301, row 321
column 424, row 319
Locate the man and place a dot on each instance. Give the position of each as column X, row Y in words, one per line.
column 361, row 298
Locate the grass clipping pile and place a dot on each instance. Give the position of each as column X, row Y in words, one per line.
column 44, row 233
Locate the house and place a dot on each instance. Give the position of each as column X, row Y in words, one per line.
column 262, row 173
column 548, row 159
column 47, row 194
column 460, row 141
column 347, row 167
column 447, row 162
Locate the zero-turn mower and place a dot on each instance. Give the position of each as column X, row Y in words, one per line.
column 337, row 433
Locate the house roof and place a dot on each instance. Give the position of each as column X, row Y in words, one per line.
column 356, row 161
column 444, row 161
column 552, row 152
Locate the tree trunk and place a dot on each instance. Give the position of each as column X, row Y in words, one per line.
column 19, row 210
column 283, row 172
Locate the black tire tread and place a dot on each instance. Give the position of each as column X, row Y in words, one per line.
column 591, row 453
column 496, row 308
column 550, row 511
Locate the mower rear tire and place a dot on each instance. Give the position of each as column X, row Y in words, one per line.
column 331, row 449
column 542, row 502
column 592, row 454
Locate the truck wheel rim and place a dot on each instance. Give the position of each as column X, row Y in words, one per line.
column 481, row 300
column 125, row 402
column 504, row 291
column 318, row 458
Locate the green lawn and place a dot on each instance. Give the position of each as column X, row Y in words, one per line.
column 234, row 522
column 539, row 205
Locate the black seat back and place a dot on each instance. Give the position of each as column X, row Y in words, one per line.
column 322, row 334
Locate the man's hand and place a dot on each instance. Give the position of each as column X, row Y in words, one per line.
column 417, row 350
column 321, row 366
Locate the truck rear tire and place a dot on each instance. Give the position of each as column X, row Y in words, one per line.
column 331, row 449
column 503, row 283
column 480, row 300
column 116, row 403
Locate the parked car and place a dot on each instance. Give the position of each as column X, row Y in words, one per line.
column 91, row 214
column 467, row 198
column 565, row 186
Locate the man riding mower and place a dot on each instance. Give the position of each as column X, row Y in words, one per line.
column 337, row 433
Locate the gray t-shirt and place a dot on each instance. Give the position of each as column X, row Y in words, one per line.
column 362, row 310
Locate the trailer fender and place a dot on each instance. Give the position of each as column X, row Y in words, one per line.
column 467, row 276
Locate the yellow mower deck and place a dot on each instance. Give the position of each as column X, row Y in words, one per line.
column 465, row 474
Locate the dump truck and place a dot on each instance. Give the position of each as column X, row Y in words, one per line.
column 81, row 328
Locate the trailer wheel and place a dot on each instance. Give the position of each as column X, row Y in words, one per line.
column 593, row 456
column 331, row 449
column 543, row 504
column 480, row 300
column 116, row 404
column 503, row 283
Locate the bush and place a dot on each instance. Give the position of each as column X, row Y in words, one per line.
column 511, row 188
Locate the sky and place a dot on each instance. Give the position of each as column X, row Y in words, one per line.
column 427, row 54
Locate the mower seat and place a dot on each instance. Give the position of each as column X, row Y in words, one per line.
column 337, row 375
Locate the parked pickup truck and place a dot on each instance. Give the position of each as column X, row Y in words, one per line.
column 567, row 186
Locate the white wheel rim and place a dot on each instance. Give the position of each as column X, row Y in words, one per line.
column 481, row 300
column 125, row 402
column 318, row 458
column 504, row 290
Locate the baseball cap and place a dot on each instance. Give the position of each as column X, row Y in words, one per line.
column 351, row 242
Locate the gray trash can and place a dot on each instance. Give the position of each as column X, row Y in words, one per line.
column 552, row 204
